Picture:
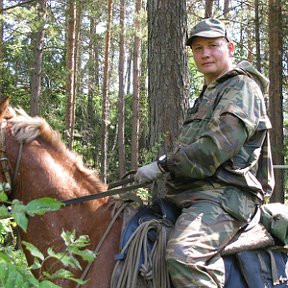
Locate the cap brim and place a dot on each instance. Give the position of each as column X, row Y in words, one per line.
column 205, row 34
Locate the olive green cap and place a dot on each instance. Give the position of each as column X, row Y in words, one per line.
column 208, row 28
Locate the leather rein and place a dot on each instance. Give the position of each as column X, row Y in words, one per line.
column 8, row 185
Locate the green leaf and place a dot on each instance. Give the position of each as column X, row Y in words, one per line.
column 12, row 276
column 20, row 219
column 4, row 213
column 68, row 237
column 42, row 205
column 3, row 197
column 65, row 274
column 74, row 263
column 82, row 241
column 86, row 255
column 4, row 272
column 36, row 264
column 56, row 255
column 64, row 258
column 33, row 250
column 75, row 243
column 48, row 284
column 61, row 273
column 19, row 214
column 5, row 258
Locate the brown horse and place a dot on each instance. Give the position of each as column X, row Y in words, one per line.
column 48, row 169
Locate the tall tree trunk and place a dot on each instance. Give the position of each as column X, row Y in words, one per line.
column 71, row 66
column 121, row 94
column 143, row 95
column 275, row 94
column 128, row 71
column 226, row 8
column 38, row 43
column 208, row 8
column 257, row 36
column 136, row 87
column 105, row 100
column 168, row 73
column 1, row 50
column 249, row 31
column 167, row 66
column 91, row 82
column 241, row 32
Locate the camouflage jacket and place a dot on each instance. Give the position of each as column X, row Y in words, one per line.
column 224, row 140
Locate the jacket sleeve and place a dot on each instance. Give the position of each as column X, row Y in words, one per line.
column 223, row 139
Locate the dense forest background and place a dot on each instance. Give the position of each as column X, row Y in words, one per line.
column 114, row 77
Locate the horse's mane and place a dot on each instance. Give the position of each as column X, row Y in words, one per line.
column 26, row 129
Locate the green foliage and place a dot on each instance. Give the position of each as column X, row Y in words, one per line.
column 14, row 271
column 14, row 275
column 196, row 78
column 21, row 212
column 74, row 248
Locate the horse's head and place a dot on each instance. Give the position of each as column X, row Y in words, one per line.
column 11, row 127
column 17, row 128
column 6, row 113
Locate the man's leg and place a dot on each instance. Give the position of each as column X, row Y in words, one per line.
column 200, row 231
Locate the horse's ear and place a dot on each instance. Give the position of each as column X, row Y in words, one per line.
column 4, row 107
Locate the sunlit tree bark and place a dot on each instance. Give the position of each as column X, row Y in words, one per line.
column 275, row 94
column 257, row 35
column 38, row 43
column 136, row 87
column 121, row 93
column 208, row 8
column 105, row 95
column 73, row 25
column 168, row 75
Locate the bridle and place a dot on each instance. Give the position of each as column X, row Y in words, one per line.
column 7, row 185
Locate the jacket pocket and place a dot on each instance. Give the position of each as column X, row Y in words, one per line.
column 240, row 205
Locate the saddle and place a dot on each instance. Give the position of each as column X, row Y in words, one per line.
column 249, row 261
column 142, row 246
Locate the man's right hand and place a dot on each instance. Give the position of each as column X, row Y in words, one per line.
column 148, row 173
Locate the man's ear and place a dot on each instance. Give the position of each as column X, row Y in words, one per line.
column 231, row 48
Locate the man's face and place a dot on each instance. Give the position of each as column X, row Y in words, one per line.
column 212, row 56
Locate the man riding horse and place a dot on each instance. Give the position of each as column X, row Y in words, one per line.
column 221, row 171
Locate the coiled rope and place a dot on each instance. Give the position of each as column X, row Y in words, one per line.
column 153, row 270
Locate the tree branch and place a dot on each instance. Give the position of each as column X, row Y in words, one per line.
column 17, row 5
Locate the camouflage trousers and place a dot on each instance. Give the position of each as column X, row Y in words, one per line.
column 200, row 232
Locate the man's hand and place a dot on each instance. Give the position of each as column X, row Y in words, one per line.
column 148, row 173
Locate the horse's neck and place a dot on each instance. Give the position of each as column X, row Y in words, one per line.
column 44, row 232
column 48, row 172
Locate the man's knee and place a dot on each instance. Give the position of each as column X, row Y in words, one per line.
column 175, row 251
column 181, row 274
column 174, row 266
